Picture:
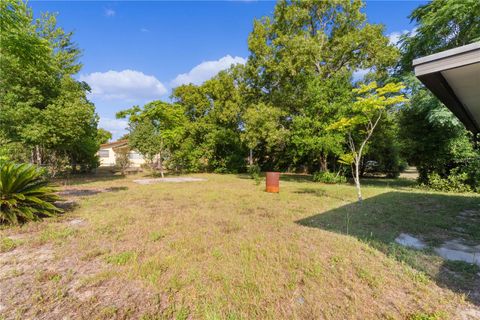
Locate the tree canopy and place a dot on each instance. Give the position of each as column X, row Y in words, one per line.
column 432, row 137
column 296, row 105
column 43, row 108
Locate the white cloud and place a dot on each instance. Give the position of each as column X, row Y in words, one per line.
column 206, row 70
column 360, row 74
column 126, row 85
column 144, row 30
column 394, row 37
column 116, row 126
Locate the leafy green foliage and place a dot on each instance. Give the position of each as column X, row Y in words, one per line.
column 310, row 140
column 275, row 110
column 432, row 138
column 312, row 38
column 43, row 108
column 211, row 137
column 293, row 106
column 301, row 63
column 384, row 149
column 103, row 136
column 155, row 129
column 254, row 171
column 25, row 194
column 441, row 25
column 363, row 117
column 263, row 130
column 329, row 177
column 472, row 169
column 122, row 159
column 454, row 182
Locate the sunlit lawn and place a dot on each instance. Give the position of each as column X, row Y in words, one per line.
column 224, row 249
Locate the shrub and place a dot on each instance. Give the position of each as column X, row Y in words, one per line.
column 455, row 182
column 57, row 162
column 254, row 172
column 472, row 169
column 25, row 194
column 122, row 160
column 328, row 177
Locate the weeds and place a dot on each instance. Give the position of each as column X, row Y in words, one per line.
column 156, row 236
column 122, row 258
column 56, row 234
column 7, row 244
column 205, row 258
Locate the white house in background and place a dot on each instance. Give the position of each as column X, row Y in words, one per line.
column 108, row 150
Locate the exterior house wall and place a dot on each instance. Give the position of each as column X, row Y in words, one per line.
column 136, row 159
column 106, row 155
column 109, row 160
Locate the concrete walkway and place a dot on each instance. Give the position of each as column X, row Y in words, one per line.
column 159, row 180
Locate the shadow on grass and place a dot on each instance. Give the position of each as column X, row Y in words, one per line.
column 320, row 193
column 296, row 177
column 246, row 176
column 116, row 189
column 381, row 182
column 73, row 180
column 283, row 177
column 157, row 174
column 312, row 191
column 398, row 183
column 433, row 217
column 89, row 192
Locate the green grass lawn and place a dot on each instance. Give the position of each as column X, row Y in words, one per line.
column 224, row 249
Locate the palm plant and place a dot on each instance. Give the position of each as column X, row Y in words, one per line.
column 25, row 194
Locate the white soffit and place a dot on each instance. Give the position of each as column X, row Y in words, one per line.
column 465, row 82
column 453, row 76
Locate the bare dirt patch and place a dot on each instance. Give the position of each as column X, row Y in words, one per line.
column 227, row 250
column 74, row 192
column 41, row 283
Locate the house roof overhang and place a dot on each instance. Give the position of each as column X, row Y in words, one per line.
column 115, row 144
column 454, row 78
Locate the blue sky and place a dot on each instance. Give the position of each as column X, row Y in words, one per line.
column 135, row 52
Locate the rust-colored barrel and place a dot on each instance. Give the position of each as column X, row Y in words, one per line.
column 273, row 182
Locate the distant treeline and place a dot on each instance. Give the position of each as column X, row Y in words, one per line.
column 285, row 109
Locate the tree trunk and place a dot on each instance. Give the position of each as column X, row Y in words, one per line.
column 250, row 157
column 160, row 163
column 38, row 155
column 357, row 179
column 74, row 167
column 323, row 163
column 362, row 168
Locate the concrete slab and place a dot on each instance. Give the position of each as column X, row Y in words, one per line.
column 410, row 241
column 455, row 250
column 160, row 180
